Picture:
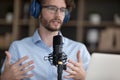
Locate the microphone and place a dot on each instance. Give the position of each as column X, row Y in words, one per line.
column 58, row 57
column 57, row 49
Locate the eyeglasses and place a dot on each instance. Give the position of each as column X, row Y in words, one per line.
column 53, row 9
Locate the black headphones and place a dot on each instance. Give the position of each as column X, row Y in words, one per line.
column 35, row 9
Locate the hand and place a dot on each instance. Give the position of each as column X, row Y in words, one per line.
column 76, row 71
column 15, row 71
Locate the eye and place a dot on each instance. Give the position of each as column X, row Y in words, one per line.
column 52, row 8
column 63, row 10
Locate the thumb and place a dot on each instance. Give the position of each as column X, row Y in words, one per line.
column 78, row 56
column 8, row 58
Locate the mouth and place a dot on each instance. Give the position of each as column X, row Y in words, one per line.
column 56, row 22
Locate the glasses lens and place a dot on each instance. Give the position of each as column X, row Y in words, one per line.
column 63, row 10
column 54, row 9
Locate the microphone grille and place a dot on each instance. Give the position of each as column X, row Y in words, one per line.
column 57, row 40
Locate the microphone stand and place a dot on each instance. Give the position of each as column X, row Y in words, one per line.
column 60, row 70
column 60, row 66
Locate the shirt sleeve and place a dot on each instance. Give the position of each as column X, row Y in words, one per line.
column 13, row 53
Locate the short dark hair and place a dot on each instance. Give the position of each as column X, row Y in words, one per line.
column 69, row 3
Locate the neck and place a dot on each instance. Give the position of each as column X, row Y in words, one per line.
column 47, row 36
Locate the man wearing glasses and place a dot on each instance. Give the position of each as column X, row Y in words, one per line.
column 25, row 59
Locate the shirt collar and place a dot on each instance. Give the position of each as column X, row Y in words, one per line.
column 36, row 37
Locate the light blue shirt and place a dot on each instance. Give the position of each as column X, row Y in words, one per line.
column 36, row 49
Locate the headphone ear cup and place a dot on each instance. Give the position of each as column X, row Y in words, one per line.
column 67, row 17
column 35, row 9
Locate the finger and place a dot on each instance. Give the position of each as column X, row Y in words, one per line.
column 26, row 64
column 74, row 63
column 28, row 76
column 28, row 69
column 72, row 67
column 21, row 60
column 25, row 76
column 69, row 76
column 8, row 58
column 71, row 72
column 78, row 56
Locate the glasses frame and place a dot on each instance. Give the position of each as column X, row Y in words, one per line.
column 53, row 9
